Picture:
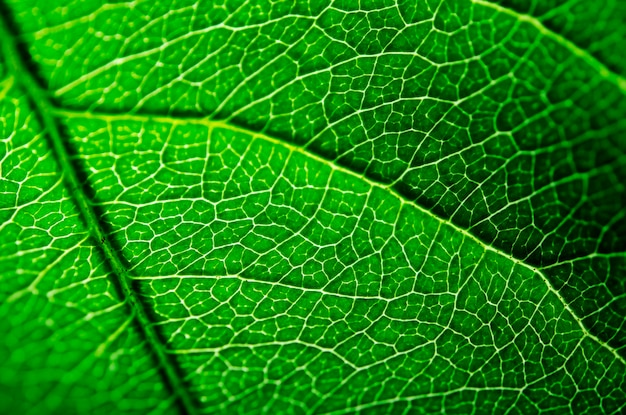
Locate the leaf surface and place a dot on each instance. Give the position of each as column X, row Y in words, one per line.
column 313, row 207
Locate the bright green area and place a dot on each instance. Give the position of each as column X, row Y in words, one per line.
column 512, row 125
column 321, row 207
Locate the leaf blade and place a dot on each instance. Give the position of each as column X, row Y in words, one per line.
column 209, row 198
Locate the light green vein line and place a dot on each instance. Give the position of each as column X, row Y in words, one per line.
column 6, row 85
column 211, row 124
column 44, row 109
column 591, row 60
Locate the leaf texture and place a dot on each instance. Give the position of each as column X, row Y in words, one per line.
column 313, row 207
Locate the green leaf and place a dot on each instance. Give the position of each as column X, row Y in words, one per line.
column 312, row 207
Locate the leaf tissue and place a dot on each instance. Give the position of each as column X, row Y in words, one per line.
column 312, row 206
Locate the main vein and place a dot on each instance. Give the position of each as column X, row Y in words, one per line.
column 44, row 110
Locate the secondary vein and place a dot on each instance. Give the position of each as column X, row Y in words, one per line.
column 387, row 187
column 44, row 110
column 591, row 60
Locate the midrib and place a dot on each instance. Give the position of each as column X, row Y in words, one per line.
column 44, row 110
